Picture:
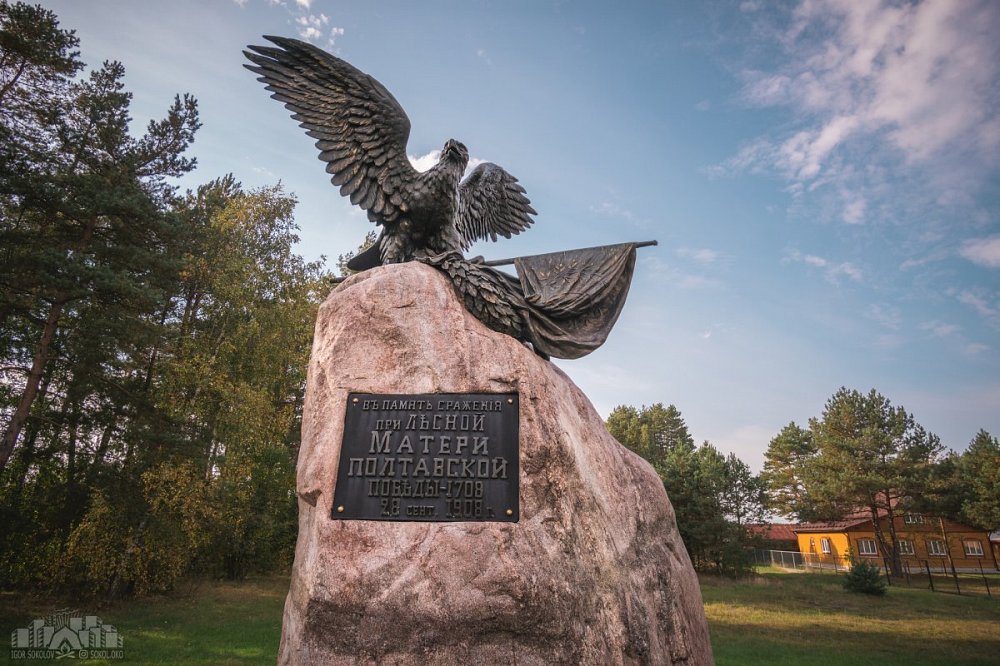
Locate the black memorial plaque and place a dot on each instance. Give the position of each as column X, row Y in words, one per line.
column 431, row 457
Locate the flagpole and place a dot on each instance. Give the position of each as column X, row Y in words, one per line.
column 505, row 262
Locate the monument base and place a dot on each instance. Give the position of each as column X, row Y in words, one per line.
column 594, row 571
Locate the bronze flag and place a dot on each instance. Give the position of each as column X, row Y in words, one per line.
column 572, row 299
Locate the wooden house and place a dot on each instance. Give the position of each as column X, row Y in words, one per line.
column 924, row 541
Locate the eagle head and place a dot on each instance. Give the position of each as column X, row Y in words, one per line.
column 455, row 153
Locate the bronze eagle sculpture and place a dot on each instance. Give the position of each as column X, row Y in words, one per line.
column 361, row 132
column 563, row 303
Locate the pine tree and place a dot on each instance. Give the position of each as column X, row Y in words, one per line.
column 713, row 496
column 979, row 470
column 89, row 216
column 653, row 432
column 870, row 455
column 787, row 455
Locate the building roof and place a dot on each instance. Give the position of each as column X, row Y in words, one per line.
column 831, row 525
column 860, row 519
column 773, row 532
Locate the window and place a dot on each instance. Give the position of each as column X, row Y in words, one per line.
column 867, row 547
column 905, row 547
column 812, row 545
column 913, row 519
column 825, row 545
column 935, row 547
column 973, row 548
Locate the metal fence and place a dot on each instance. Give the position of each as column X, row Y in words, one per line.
column 984, row 582
column 791, row 559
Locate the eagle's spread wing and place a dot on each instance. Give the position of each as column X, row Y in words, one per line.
column 491, row 203
column 359, row 127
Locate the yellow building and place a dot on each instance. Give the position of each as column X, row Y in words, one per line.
column 924, row 541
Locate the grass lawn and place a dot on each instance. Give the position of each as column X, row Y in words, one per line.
column 208, row 623
column 803, row 619
column 775, row 618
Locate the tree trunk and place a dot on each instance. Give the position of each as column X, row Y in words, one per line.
column 73, row 504
column 947, row 548
column 27, row 453
column 889, row 551
column 102, row 449
column 894, row 557
column 117, row 580
column 30, row 392
column 74, row 432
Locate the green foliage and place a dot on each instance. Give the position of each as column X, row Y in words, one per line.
column 713, row 496
column 966, row 487
column 342, row 259
column 869, row 454
column 83, row 219
column 866, row 578
column 237, row 378
column 979, row 471
column 653, row 432
column 106, row 555
column 787, row 455
column 743, row 498
column 154, row 347
column 194, row 469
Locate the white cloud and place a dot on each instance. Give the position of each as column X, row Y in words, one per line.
column 939, row 329
column 670, row 275
column 311, row 26
column 854, row 209
column 983, row 301
column 888, row 341
column 614, row 209
column 813, row 260
column 701, row 255
column 982, row 251
column 914, row 263
column 887, row 316
column 265, row 172
column 847, row 269
column 978, row 302
column 908, row 85
column 832, row 270
column 976, row 348
column 335, row 32
column 241, row 3
column 484, row 56
column 425, row 162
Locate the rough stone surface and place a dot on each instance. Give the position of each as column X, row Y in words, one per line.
column 594, row 572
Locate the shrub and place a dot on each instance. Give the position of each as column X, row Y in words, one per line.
column 866, row 578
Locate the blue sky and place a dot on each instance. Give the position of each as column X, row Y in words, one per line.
column 823, row 176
